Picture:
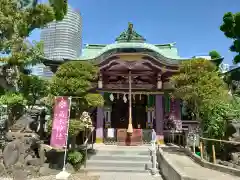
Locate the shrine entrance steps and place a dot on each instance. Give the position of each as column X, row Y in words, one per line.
column 119, row 159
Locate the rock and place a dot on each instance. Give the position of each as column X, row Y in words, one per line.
column 221, row 162
column 28, row 158
column 46, row 171
column 230, row 165
column 18, row 165
column 11, row 153
column 235, row 157
column 218, row 161
column 225, row 163
column 32, row 171
column 34, row 162
column 19, row 175
column 42, row 151
column 236, row 166
column 2, row 168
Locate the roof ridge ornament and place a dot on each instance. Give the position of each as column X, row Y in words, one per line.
column 130, row 35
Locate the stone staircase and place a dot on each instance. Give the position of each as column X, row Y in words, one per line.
column 126, row 159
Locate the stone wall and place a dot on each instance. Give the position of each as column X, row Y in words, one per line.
column 167, row 169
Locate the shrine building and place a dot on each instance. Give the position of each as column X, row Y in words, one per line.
column 134, row 81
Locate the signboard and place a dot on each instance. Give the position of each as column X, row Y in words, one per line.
column 110, row 132
column 60, row 122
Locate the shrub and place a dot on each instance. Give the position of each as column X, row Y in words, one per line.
column 75, row 158
column 75, row 126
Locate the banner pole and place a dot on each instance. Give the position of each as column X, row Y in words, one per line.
column 65, row 151
column 63, row 175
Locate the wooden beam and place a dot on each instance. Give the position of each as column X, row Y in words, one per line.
column 133, row 91
column 143, row 73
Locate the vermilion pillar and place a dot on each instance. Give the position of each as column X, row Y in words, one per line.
column 159, row 118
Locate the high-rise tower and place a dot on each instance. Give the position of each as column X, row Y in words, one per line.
column 63, row 39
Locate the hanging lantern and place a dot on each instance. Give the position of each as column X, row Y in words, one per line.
column 111, row 97
column 159, row 82
column 124, row 98
column 100, row 83
column 117, row 95
column 140, row 97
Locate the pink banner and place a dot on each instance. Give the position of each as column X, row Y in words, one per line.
column 60, row 122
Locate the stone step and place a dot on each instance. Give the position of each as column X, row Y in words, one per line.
column 117, row 164
column 112, row 159
column 117, row 157
column 121, row 148
column 96, row 169
column 122, row 152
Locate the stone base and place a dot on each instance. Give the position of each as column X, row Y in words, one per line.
column 99, row 140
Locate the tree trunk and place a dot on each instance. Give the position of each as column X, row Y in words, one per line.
column 17, row 78
column 73, row 142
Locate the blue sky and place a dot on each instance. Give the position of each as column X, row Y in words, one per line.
column 192, row 24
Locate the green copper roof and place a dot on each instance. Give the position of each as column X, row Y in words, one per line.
column 91, row 51
column 130, row 39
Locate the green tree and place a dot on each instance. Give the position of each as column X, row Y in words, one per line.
column 18, row 18
column 200, row 86
column 76, row 79
column 214, row 54
column 231, row 29
column 16, row 24
column 15, row 105
column 33, row 88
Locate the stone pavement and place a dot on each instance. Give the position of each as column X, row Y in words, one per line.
column 103, row 176
column 188, row 167
column 76, row 176
column 71, row 177
column 127, row 176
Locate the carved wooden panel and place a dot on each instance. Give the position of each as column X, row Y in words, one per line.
column 168, row 85
column 126, row 86
column 136, row 138
column 121, row 136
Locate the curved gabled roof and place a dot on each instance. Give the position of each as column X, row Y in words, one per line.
column 130, row 39
column 93, row 53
